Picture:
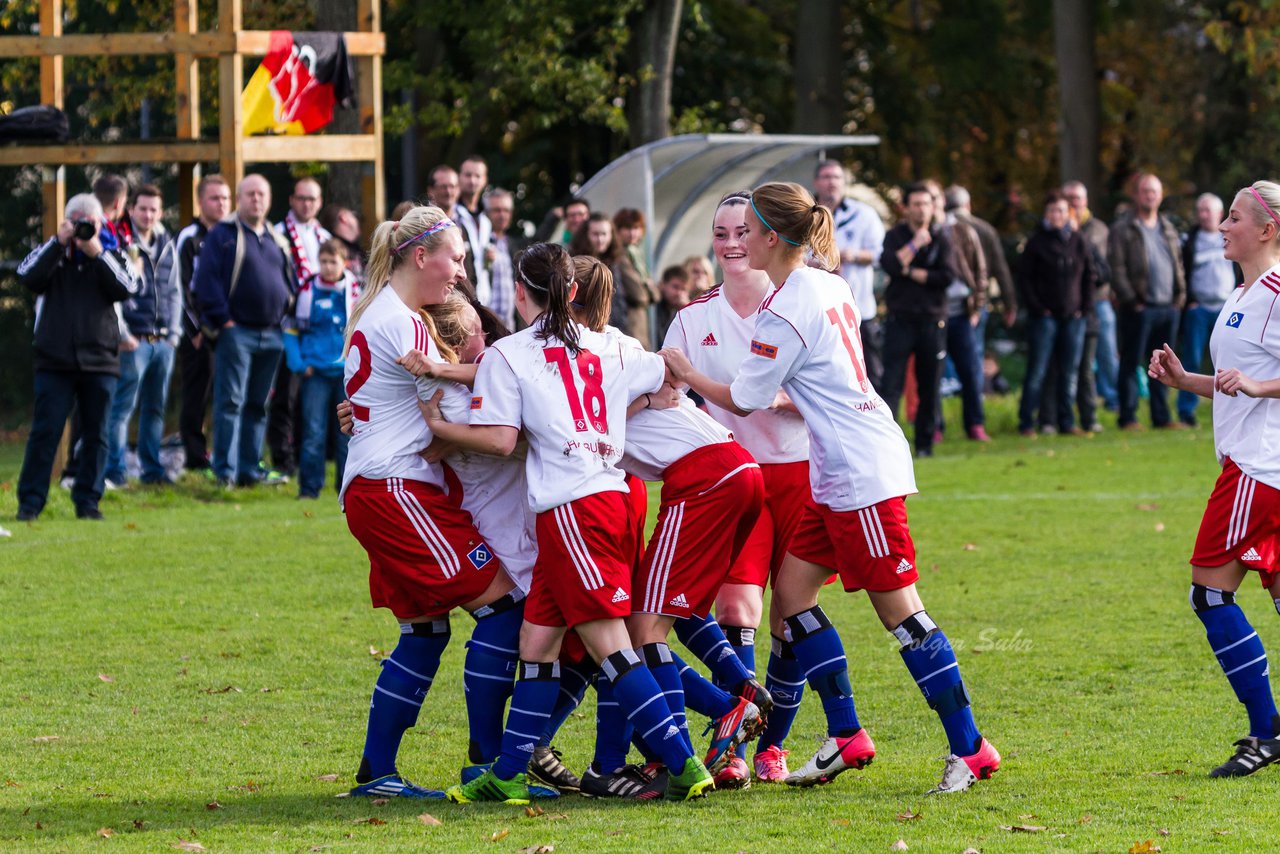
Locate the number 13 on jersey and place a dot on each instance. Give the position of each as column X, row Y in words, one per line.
column 589, row 407
column 845, row 323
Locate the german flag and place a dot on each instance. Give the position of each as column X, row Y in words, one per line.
column 298, row 83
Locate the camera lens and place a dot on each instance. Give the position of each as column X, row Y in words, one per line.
column 85, row 230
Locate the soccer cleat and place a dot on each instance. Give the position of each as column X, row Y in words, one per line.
column 961, row 772
column 1251, row 754
column 742, row 723
column 545, row 767
column 536, row 790
column 694, row 781
column 488, row 787
column 651, row 770
column 734, row 775
column 392, row 786
column 628, row 782
column 834, row 757
column 771, row 764
column 758, row 694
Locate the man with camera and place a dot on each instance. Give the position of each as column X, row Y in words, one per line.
column 77, row 361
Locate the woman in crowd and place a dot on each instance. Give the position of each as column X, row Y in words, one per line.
column 629, row 311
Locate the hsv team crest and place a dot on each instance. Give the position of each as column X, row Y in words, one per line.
column 1234, row 320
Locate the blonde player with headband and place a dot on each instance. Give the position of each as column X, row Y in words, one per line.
column 1240, row 531
column 806, row 341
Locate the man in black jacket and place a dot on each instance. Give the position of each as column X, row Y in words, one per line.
column 917, row 258
column 77, row 361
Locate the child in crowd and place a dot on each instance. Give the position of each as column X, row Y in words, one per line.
column 674, row 292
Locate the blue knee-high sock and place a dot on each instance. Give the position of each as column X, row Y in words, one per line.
column 785, row 681
column 640, row 697
column 705, row 639
column 700, row 694
column 928, row 655
column 398, row 694
column 657, row 657
column 743, row 641
column 574, row 679
column 1240, row 653
column 613, row 730
column 489, row 672
column 821, row 654
column 531, row 704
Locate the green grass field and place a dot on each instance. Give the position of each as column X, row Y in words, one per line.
column 196, row 666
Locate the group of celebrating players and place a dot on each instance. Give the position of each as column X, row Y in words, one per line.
column 513, row 486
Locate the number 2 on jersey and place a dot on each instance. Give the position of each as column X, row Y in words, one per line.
column 590, row 406
column 850, row 321
column 361, row 345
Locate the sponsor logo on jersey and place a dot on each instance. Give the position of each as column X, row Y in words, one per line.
column 480, row 556
column 759, row 348
column 1251, row 555
column 620, row 595
column 710, row 341
column 477, row 402
column 904, row 565
column 679, row 602
column 1235, row 319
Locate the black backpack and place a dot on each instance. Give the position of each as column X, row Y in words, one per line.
column 35, row 124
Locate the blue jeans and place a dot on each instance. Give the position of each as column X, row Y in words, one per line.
column 144, row 385
column 1048, row 338
column 968, row 365
column 1108, row 371
column 318, row 397
column 1140, row 333
column 1197, row 324
column 244, row 365
column 56, row 393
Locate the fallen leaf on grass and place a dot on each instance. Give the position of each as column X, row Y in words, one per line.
column 318, row 848
column 1085, row 819
column 1147, row 506
column 247, row 787
column 843, row 822
column 102, row 794
column 227, row 690
column 186, row 845
column 1028, row 816
column 380, row 802
column 106, row 832
column 1175, row 771
column 1223, row 832
column 1023, row 828
column 377, row 653
column 39, row 826
column 908, row 816
column 534, row 812
column 213, row 805
column 13, row 784
column 537, row 849
column 970, row 547
column 138, row 824
column 499, row 835
column 1164, row 831
column 328, row 778
column 43, row 739
column 1147, row 847
column 1159, row 526
column 105, row 678
column 971, row 851
column 370, row 820
column 309, row 514
column 900, row 845
column 429, row 820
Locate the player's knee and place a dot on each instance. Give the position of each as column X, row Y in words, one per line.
column 1203, row 598
column 437, row 628
column 914, row 631
column 808, row 622
column 504, row 604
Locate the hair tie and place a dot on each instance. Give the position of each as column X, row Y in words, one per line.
column 395, row 225
column 1266, row 207
column 439, row 226
column 765, row 223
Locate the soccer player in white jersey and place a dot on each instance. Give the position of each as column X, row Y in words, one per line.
column 714, row 332
column 425, row 556
column 1240, row 530
column 806, row 341
column 568, row 388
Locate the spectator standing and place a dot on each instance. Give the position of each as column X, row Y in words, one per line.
column 917, row 258
column 701, row 277
column 571, row 216
column 673, row 295
column 473, row 177
column 1147, row 275
column 640, row 291
column 500, row 256
column 1057, row 277
column 999, row 279
column 1096, row 234
column 344, row 224
column 153, row 316
column 966, row 302
column 860, row 238
column 77, row 337
column 596, row 237
column 313, row 344
column 244, row 284
column 1210, row 280
column 195, row 351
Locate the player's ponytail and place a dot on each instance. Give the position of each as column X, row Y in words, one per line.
column 444, row 325
column 546, row 271
column 594, row 298
column 789, row 210
column 392, row 242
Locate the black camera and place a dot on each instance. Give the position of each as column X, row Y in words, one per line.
column 85, row 230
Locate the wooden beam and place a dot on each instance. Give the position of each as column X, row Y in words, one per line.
column 206, row 45
column 54, row 184
column 295, row 149
column 373, row 194
column 186, row 20
column 190, row 151
column 230, row 107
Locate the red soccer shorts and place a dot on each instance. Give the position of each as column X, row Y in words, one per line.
column 425, row 556
column 637, row 515
column 710, row 501
column 871, row 548
column 1241, row 522
column 786, row 493
column 583, row 572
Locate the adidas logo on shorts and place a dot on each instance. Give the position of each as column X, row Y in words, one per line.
column 620, row 595
column 1251, row 555
column 527, row 747
column 671, row 730
column 710, row 341
column 679, row 602
column 904, row 565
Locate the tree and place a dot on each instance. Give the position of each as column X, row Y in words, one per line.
column 819, row 96
column 655, row 51
column 1073, row 42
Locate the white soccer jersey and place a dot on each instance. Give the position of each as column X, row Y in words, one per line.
column 1246, row 336
column 573, row 409
column 717, row 341
column 389, row 427
column 494, row 491
column 806, row 340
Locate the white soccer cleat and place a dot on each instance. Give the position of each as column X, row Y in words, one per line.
column 961, row 772
column 835, row 756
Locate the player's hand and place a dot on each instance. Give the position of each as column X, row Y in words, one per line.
column 1166, row 367
column 782, row 401
column 439, row 448
column 417, row 363
column 1231, row 382
column 346, row 418
column 667, row 397
column 431, row 408
column 678, row 363
column 128, row 344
